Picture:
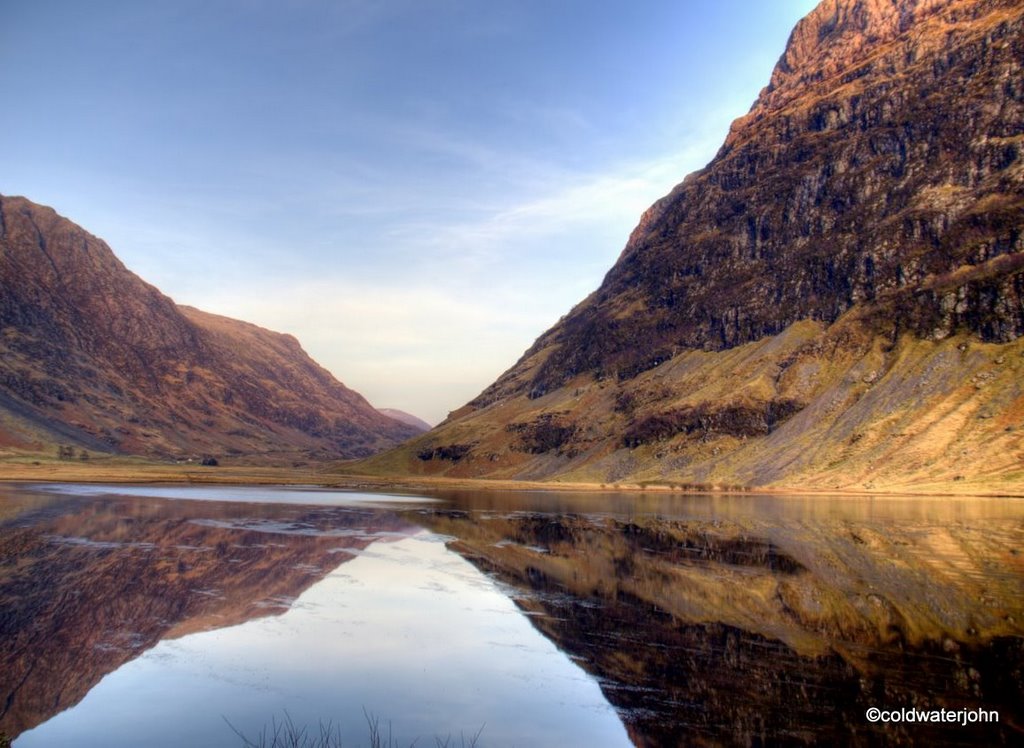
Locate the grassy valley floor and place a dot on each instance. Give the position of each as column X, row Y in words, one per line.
column 131, row 470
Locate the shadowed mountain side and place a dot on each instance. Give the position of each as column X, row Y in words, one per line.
column 93, row 356
column 165, row 569
column 836, row 299
column 749, row 632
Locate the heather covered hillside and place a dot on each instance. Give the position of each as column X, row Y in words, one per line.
column 95, row 359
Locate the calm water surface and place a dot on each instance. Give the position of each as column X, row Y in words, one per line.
column 158, row 615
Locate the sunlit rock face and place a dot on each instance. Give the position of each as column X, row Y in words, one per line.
column 836, row 37
column 884, row 156
column 830, row 287
column 92, row 356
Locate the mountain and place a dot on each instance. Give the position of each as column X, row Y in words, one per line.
column 93, row 357
column 407, row 418
column 836, row 299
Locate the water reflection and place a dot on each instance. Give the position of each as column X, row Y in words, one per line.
column 407, row 630
column 737, row 506
column 760, row 620
column 703, row 619
column 87, row 584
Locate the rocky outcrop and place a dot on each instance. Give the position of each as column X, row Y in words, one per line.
column 836, row 37
column 92, row 356
column 871, row 200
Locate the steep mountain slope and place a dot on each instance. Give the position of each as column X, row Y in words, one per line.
column 92, row 356
column 833, row 299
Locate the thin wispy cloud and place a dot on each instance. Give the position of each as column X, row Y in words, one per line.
column 503, row 280
column 415, row 190
column 591, row 206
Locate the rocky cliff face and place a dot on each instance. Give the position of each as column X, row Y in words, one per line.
column 859, row 230
column 92, row 356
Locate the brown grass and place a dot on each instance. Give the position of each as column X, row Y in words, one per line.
column 136, row 471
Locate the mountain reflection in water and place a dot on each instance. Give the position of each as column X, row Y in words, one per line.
column 87, row 584
column 704, row 619
column 407, row 629
column 766, row 620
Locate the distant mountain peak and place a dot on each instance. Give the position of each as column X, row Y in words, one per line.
column 406, row 418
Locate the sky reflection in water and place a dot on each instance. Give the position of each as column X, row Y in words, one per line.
column 407, row 630
column 311, row 495
column 158, row 614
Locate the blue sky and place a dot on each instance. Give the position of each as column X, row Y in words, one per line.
column 415, row 189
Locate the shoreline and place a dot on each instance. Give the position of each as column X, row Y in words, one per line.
column 115, row 471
